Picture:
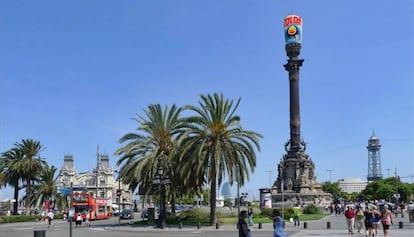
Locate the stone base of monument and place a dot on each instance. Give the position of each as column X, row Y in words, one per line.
column 290, row 199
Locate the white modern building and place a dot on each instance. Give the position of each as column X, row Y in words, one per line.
column 352, row 185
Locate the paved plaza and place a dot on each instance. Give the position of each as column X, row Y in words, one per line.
column 109, row 228
column 314, row 228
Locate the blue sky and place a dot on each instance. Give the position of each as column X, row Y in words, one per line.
column 74, row 73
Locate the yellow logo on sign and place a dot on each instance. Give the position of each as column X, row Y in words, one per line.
column 292, row 30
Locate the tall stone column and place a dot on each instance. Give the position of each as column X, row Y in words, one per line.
column 293, row 67
column 296, row 182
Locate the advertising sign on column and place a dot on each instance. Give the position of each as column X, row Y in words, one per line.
column 293, row 29
column 265, row 199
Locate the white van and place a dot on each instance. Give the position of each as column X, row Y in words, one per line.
column 115, row 210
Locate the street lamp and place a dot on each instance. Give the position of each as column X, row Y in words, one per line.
column 270, row 178
column 161, row 179
column 330, row 175
column 118, row 196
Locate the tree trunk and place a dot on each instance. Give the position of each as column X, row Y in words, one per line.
column 28, row 197
column 172, row 198
column 16, row 197
column 213, row 192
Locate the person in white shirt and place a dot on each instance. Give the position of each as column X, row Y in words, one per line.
column 78, row 220
column 50, row 216
column 411, row 211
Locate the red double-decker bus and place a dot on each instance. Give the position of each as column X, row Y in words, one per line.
column 85, row 204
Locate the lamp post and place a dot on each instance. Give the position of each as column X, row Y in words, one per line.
column 270, row 178
column 118, row 197
column 161, row 179
column 330, row 175
column 282, row 188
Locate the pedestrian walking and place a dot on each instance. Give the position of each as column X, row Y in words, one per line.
column 296, row 214
column 50, row 216
column 242, row 225
column 250, row 216
column 402, row 207
column 278, row 224
column 386, row 220
column 43, row 216
column 359, row 219
column 87, row 217
column 350, row 219
column 369, row 219
column 332, row 207
column 376, row 221
column 78, row 221
column 411, row 211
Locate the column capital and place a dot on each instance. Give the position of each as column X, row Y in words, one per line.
column 293, row 65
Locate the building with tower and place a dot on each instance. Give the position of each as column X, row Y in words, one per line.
column 374, row 158
column 101, row 182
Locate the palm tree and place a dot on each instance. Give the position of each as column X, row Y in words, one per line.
column 30, row 166
column 215, row 144
column 153, row 146
column 10, row 175
column 46, row 187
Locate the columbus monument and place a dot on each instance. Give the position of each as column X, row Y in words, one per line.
column 296, row 181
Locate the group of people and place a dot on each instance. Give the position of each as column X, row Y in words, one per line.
column 370, row 218
column 49, row 216
column 79, row 219
column 244, row 231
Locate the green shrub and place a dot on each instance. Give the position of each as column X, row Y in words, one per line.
column 266, row 212
column 19, row 218
column 312, row 209
column 287, row 213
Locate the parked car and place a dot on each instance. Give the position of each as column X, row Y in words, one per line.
column 144, row 213
column 127, row 214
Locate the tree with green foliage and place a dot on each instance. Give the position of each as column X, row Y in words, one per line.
column 10, row 175
column 386, row 188
column 332, row 188
column 46, row 189
column 30, row 166
column 215, row 144
column 154, row 145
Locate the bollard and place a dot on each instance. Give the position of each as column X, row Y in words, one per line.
column 400, row 225
column 198, row 225
column 39, row 233
column 328, row 225
column 260, row 225
column 305, row 225
column 217, row 226
column 180, row 225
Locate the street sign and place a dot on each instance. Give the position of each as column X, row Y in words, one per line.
column 63, row 190
column 71, row 213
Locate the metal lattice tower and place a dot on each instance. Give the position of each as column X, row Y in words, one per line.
column 374, row 158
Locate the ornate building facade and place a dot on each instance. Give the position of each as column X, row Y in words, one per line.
column 101, row 182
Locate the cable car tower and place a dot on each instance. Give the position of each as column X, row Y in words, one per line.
column 374, row 158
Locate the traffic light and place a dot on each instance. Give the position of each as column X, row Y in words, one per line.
column 118, row 192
